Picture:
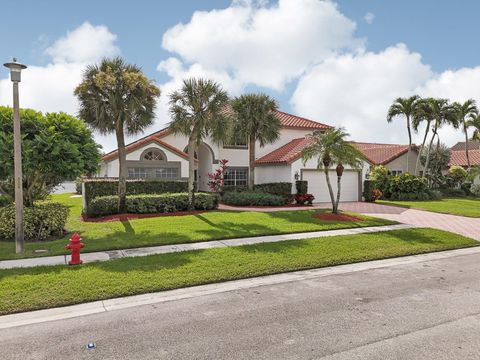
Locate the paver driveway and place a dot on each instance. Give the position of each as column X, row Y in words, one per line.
column 458, row 224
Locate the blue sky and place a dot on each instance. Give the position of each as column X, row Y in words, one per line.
column 438, row 36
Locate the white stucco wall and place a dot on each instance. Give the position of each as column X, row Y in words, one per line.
column 400, row 163
column 273, row 173
column 286, row 135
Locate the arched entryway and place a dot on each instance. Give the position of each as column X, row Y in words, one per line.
column 205, row 166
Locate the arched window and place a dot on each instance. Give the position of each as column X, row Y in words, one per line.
column 153, row 155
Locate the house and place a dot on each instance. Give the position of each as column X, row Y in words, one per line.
column 458, row 156
column 162, row 155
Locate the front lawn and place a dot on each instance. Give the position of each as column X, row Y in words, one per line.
column 456, row 206
column 212, row 225
column 45, row 287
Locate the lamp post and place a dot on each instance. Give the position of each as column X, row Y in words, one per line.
column 15, row 71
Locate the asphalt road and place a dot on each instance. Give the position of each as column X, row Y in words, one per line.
column 426, row 310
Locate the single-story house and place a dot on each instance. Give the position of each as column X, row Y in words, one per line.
column 458, row 157
column 161, row 155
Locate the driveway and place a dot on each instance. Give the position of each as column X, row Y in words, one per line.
column 427, row 309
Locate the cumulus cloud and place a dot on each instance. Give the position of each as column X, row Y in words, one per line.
column 266, row 46
column 369, row 17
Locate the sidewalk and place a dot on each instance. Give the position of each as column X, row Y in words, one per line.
column 164, row 249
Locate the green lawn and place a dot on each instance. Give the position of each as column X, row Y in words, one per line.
column 457, row 206
column 180, row 229
column 44, row 287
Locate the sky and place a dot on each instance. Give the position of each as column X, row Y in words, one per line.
column 338, row 62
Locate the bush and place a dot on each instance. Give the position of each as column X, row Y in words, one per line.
column 475, row 190
column 103, row 187
column 278, row 188
column 408, row 187
column 78, row 185
column 452, row 192
column 4, row 201
column 304, row 199
column 465, row 187
column 368, row 187
column 150, row 204
column 232, row 188
column 42, row 221
column 253, row 198
column 434, row 194
column 301, row 186
column 457, row 175
column 380, row 176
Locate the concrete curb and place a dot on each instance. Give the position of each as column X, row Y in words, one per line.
column 67, row 312
column 164, row 249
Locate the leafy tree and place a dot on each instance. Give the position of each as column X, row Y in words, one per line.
column 380, row 176
column 116, row 97
column 56, row 147
column 474, row 122
column 466, row 111
column 457, row 175
column 406, row 107
column 256, row 121
column 332, row 148
column 439, row 157
column 198, row 112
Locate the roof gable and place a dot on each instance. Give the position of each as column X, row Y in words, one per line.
column 382, row 154
column 285, row 154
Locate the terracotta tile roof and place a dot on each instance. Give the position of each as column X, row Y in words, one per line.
column 381, row 154
column 459, row 158
column 297, row 122
column 472, row 145
column 285, row 154
column 139, row 143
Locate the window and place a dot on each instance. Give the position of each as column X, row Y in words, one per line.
column 236, row 144
column 153, row 173
column 153, row 155
column 236, row 177
column 395, row 172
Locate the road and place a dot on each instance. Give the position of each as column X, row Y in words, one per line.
column 424, row 310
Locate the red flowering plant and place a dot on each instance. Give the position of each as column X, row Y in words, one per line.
column 304, row 199
column 376, row 194
column 216, row 179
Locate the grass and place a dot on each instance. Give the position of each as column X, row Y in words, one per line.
column 27, row 289
column 469, row 207
column 180, row 229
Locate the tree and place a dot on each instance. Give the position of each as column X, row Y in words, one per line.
column 422, row 115
column 332, row 148
column 198, row 112
column 439, row 157
column 255, row 121
column 56, row 147
column 116, row 97
column 466, row 111
column 405, row 107
column 474, row 122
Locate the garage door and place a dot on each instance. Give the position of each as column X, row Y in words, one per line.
column 317, row 185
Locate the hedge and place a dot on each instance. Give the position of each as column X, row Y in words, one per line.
column 368, row 187
column 150, row 204
column 253, row 198
column 277, row 188
column 302, row 187
column 42, row 221
column 103, row 187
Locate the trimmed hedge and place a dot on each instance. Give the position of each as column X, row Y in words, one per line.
column 42, row 221
column 150, row 204
column 253, row 198
column 277, row 188
column 302, row 187
column 368, row 187
column 103, row 187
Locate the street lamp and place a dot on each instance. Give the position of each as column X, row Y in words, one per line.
column 15, row 71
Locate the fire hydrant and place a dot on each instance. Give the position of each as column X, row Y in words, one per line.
column 75, row 246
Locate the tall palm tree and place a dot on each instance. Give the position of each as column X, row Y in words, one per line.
column 197, row 111
column 466, row 111
column 474, row 122
column 422, row 114
column 405, row 107
column 116, row 97
column 256, row 121
column 332, row 148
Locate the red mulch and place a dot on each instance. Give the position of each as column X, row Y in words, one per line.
column 267, row 207
column 126, row 217
column 336, row 217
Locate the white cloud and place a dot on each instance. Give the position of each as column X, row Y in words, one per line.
column 262, row 45
column 369, row 17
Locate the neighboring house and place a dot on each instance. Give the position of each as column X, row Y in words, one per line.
column 162, row 155
column 459, row 158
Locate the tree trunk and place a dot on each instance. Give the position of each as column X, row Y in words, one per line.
column 251, row 172
column 466, row 143
column 427, row 161
column 409, row 143
column 339, row 189
column 191, row 172
column 427, row 130
column 330, row 190
column 122, row 173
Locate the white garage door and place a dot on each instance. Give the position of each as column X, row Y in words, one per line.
column 317, row 185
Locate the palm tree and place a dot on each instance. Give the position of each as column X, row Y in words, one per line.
column 332, row 148
column 116, row 97
column 406, row 107
column 474, row 122
column 256, row 121
column 198, row 112
column 466, row 110
column 421, row 115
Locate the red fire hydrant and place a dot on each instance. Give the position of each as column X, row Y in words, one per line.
column 75, row 246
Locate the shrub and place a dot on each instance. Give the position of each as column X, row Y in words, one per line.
column 149, row 203
column 380, row 176
column 451, row 192
column 434, row 194
column 475, row 190
column 301, row 186
column 408, row 187
column 103, row 187
column 232, row 188
column 278, row 188
column 304, row 199
column 42, row 221
column 4, row 201
column 78, row 185
column 457, row 175
column 465, row 187
column 368, row 187
column 253, row 198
